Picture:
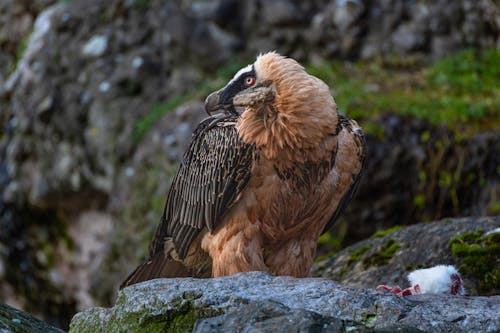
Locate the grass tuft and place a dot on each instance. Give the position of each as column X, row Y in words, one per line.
column 461, row 91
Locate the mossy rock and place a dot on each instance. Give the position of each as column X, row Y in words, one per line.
column 479, row 254
column 179, row 315
column 470, row 244
column 383, row 255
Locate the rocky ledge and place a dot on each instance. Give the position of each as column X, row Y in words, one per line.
column 13, row 321
column 256, row 301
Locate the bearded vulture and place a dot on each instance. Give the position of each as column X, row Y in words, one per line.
column 265, row 175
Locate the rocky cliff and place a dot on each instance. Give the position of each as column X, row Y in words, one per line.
column 99, row 100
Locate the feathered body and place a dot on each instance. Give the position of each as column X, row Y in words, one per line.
column 256, row 189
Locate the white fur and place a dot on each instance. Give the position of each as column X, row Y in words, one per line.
column 434, row 280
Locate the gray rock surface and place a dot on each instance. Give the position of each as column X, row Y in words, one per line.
column 389, row 258
column 13, row 321
column 16, row 22
column 165, row 304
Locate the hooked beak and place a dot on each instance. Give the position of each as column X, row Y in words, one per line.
column 214, row 104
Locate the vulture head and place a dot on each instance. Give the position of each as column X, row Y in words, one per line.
column 285, row 110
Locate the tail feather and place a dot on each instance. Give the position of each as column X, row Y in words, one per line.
column 159, row 266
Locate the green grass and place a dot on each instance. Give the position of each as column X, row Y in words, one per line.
column 461, row 91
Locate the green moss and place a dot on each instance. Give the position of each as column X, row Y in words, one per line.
column 495, row 207
column 368, row 319
column 179, row 316
column 333, row 242
column 461, row 91
column 183, row 323
column 324, row 257
column 384, row 255
column 20, row 48
column 419, row 201
column 480, row 258
column 89, row 321
column 185, row 314
column 356, row 254
column 383, row 233
column 139, row 322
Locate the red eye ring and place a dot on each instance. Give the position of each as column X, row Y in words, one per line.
column 249, row 81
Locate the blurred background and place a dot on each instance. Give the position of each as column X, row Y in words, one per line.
column 98, row 100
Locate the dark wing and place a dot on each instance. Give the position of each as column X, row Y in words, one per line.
column 360, row 142
column 214, row 171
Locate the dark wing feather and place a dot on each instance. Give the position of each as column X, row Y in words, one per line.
column 356, row 177
column 214, row 170
column 156, row 266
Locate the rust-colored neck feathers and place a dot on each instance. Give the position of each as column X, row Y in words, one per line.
column 301, row 115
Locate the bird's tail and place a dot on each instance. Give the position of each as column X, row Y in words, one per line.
column 158, row 266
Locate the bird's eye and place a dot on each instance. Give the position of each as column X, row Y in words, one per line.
column 249, row 81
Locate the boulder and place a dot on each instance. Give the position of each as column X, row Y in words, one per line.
column 13, row 320
column 256, row 301
column 471, row 244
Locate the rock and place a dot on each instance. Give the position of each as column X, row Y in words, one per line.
column 281, row 12
column 270, row 316
column 387, row 259
column 180, row 304
column 346, row 12
column 408, row 38
column 150, row 170
column 451, row 177
column 106, row 78
column 13, row 320
column 16, row 22
column 95, row 47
